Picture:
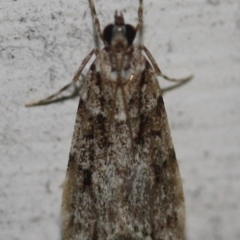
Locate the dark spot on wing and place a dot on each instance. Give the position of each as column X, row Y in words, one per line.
column 148, row 65
column 99, row 80
column 87, row 177
column 99, row 84
column 101, row 131
column 157, row 172
column 160, row 106
column 91, row 154
column 81, row 104
column 165, row 164
column 127, row 67
column 172, row 155
column 100, row 118
column 142, row 127
column 172, row 220
column 79, row 168
column 92, row 67
column 142, row 82
column 144, row 233
column 136, row 229
column 152, row 235
column 95, row 232
column 71, row 157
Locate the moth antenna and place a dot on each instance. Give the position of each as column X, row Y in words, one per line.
column 95, row 34
column 139, row 26
column 96, row 21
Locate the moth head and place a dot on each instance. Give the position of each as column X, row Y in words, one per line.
column 119, row 35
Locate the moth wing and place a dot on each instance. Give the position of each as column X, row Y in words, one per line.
column 161, row 199
column 78, row 204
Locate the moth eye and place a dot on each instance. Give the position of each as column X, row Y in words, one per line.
column 107, row 33
column 130, row 33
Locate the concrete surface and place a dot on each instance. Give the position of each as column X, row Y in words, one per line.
column 42, row 44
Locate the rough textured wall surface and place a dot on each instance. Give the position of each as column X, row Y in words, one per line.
column 42, row 43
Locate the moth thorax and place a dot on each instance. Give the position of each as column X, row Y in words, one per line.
column 119, row 36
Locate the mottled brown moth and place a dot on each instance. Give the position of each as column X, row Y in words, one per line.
column 122, row 180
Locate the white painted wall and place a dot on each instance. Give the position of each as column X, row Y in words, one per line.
column 42, row 44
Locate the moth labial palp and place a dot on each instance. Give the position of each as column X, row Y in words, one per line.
column 122, row 180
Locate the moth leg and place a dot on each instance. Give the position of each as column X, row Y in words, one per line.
column 177, row 85
column 74, row 93
column 96, row 21
column 158, row 71
column 74, row 80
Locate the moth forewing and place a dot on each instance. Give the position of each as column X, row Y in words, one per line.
column 108, row 193
column 122, row 180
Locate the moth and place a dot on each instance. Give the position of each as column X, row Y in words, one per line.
column 122, row 180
